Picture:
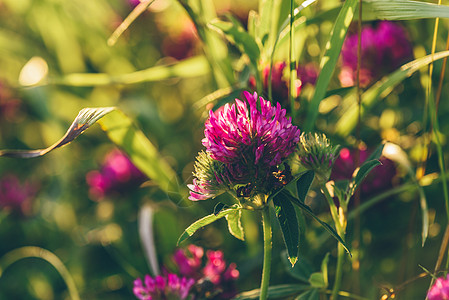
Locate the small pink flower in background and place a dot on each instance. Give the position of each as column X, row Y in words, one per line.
column 117, row 174
column 163, row 287
column 245, row 143
column 189, row 262
column 182, row 44
column 439, row 290
column 379, row 179
column 384, row 49
column 194, row 278
column 15, row 195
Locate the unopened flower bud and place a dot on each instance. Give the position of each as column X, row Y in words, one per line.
column 316, row 153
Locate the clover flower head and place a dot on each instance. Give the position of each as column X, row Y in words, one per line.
column 16, row 195
column 117, row 173
column 189, row 260
column 210, row 178
column 439, row 290
column 170, row 287
column 384, row 47
column 250, row 139
column 316, row 153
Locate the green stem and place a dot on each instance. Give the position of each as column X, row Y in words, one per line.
column 267, row 245
column 340, row 226
column 292, row 61
column 339, row 272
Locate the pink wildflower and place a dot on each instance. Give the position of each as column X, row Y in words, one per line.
column 440, row 289
column 117, row 173
column 161, row 287
column 384, row 48
column 249, row 142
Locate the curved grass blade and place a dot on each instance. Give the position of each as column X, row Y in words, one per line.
column 145, row 221
column 402, row 10
column 121, row 131
column 190, row 67
column 329, row 60
column 274, row 292
column 203, row 222
column 311, row 213
column 137, row 11
column 86, row 117
column 286, row 215
column 380, row 90
column 30, row 251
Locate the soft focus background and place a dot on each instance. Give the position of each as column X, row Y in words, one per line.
column 82, row 202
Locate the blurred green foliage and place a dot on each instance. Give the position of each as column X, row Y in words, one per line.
column 64, row 43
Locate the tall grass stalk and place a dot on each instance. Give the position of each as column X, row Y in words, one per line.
column 30, row 251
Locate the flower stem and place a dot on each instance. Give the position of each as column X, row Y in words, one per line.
column 267, row 245
column 339, row 218
column 339, row 272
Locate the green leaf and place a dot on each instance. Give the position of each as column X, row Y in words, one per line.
column 364, row 171
column 402, row 10
column 376, row 153
column 237, row 35
column 303, row 184
column 329, row 60
column 317, row 280
column 201, row 13
column 121, row 131
column 324, row 264
column 190, row 67
column 203, row 222
column 310, row 213
column 380, row 90
column 86, row 118
column 312, row 294
column 286, row 215
column 263, row 22
column 276, row 291
column 235, row 224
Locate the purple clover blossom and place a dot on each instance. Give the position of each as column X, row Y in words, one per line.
column 239, row 135
column 249, row 142
column 189, row 262
column 384, row 48
column 16, row 195
column 440, row 289
column 170, row 287
column 195, row 278
column 116, row 174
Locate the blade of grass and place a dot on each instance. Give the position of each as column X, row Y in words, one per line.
column 29, row 252
column 329, row 60
column 190, row 67
column 380, row 90
column 402, row 10
column 121, row 131
column 137, row 11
